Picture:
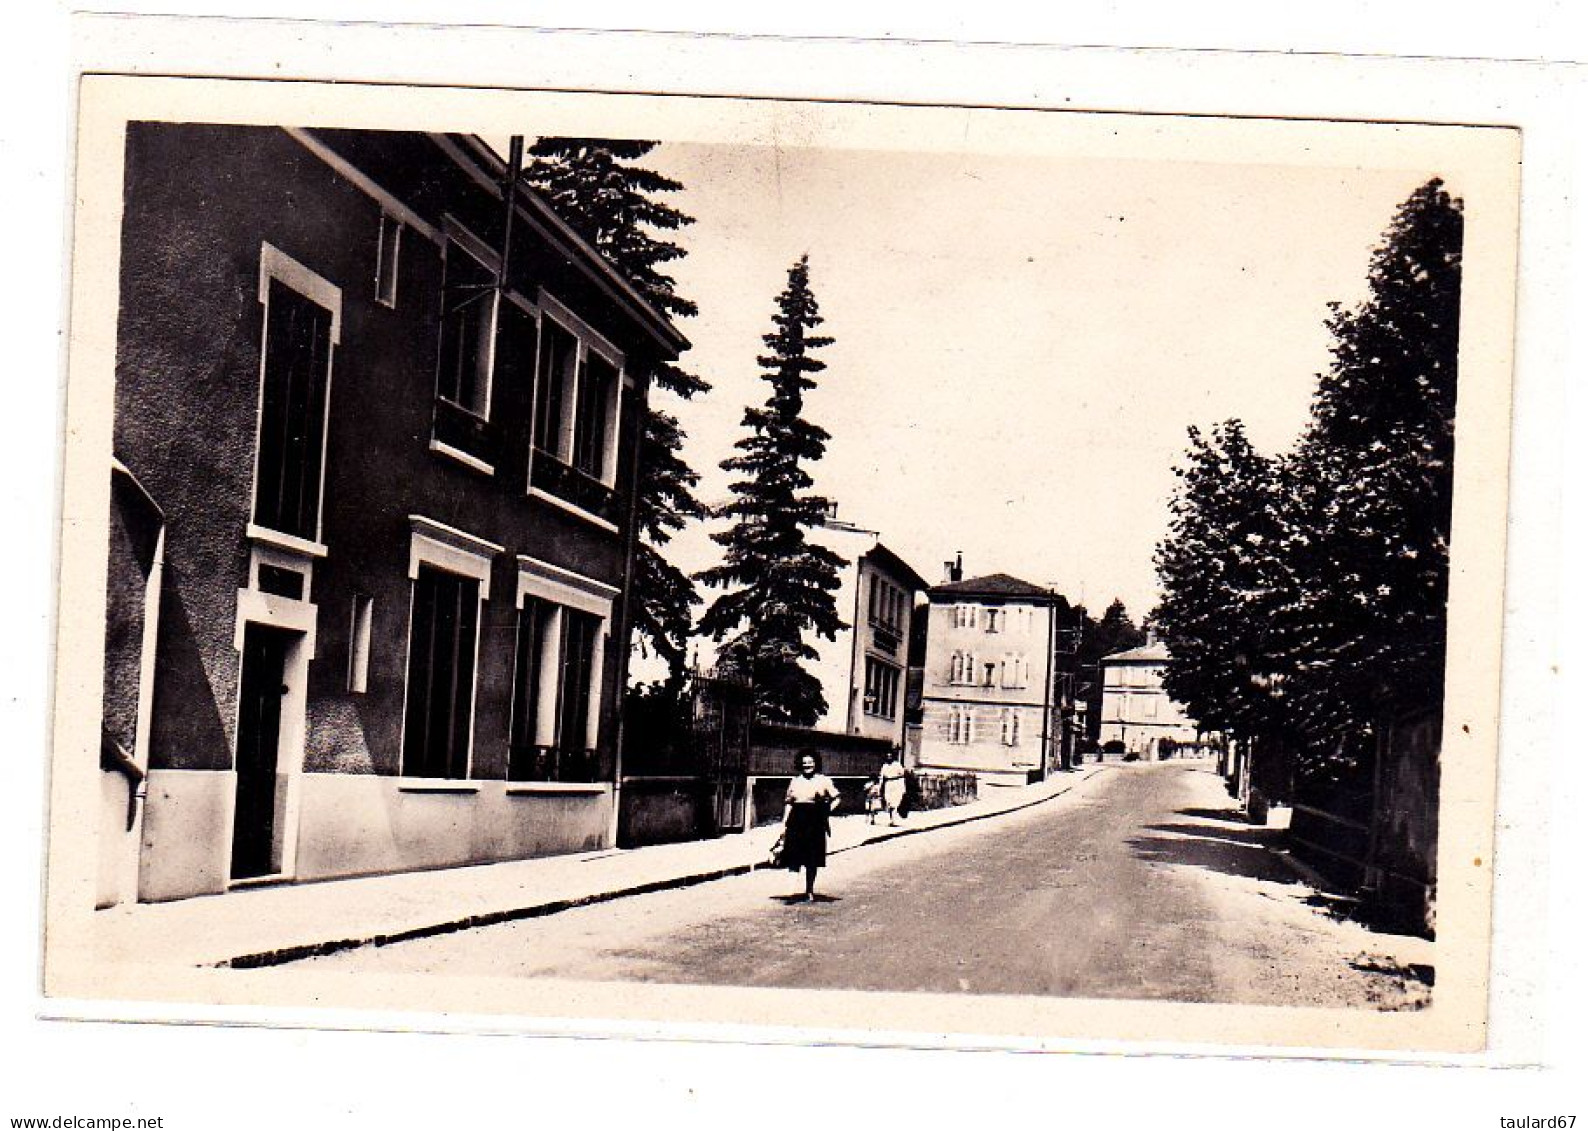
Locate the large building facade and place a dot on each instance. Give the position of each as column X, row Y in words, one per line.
column 1137, row 711
column 375, row 452
column 863, row 672
column 988, row 679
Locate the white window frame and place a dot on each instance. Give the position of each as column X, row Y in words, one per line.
column 386, row 274
column 277, row 265
column 360, row 630
column 562, row 588
column 587, row 340
column 478, row 250
column 454, row 551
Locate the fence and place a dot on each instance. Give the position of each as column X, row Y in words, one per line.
column 1378, row 835
column 685, row 761
column 941, row 791
column 775, row 751
column 849, row 759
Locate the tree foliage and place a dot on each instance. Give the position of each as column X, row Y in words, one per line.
column 597, row 187
column 778, row 584
column 1307, row 591
column 1114, row 632
column 1216, row 570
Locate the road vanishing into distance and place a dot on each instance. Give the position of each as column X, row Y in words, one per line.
column 1142, row 883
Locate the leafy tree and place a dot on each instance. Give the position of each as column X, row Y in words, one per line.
column 1115, row 632
column 1218, row 575
column 1367, row 539
column 595, row 185
column 778, row 585
column 1309, row 591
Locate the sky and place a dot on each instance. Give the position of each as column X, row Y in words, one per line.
column 1021, row 340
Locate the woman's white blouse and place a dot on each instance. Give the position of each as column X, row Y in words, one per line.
column 817, row 787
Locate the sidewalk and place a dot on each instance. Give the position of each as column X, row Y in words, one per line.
column 262, row 926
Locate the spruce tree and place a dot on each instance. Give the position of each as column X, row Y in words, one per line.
column 595, row 185
column 778, row 585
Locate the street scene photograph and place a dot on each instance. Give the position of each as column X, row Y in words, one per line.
column 588, row 555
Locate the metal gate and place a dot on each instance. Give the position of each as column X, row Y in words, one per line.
column 723, row 711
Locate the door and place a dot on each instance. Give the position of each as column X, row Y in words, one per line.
column 723, row 711
column 254, row 851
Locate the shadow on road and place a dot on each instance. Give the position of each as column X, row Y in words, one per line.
column 1218, row 843
column 797, row 899
column 1226, row 816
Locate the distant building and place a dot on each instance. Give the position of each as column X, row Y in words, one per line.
column 987, row 685
column 863, row 672
column 1137, row 711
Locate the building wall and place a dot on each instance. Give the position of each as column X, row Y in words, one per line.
column 878, row 642
column 132, row 600
column 1138, row 712
column 990, row 710
column 834, row 665
column 841, row 663
column 200, row 203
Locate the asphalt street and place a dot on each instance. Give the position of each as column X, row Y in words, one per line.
column 1143, row 884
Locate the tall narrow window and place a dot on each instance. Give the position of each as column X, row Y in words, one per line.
column 559, row 357
column 1014, row 729
column 387, row 247
column 358, row 644
column 882, row 689
column 578, row 657
column 598, row 382
column 468, row 323
column 441, row 652
column 292, row 413
column 523, row 737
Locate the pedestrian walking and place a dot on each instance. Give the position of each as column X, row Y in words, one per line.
column 893, row 781
column 811, row 798
column 873, row 799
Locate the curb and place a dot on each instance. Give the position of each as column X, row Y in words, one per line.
column 891, row 834
column 282, row 955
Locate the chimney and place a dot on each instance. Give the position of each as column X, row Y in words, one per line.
column 948, row 572
column 958, row 570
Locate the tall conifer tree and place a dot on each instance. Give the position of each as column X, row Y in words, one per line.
column 595, row 185
column 779, row 585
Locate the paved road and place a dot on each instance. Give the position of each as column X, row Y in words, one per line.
column 1140, row 884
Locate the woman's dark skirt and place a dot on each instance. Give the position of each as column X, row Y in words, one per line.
column 805, row 838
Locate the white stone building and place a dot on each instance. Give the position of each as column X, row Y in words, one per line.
column 1137, row 711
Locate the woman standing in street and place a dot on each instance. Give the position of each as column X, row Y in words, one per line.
column 893, row 785
column 811, row 797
